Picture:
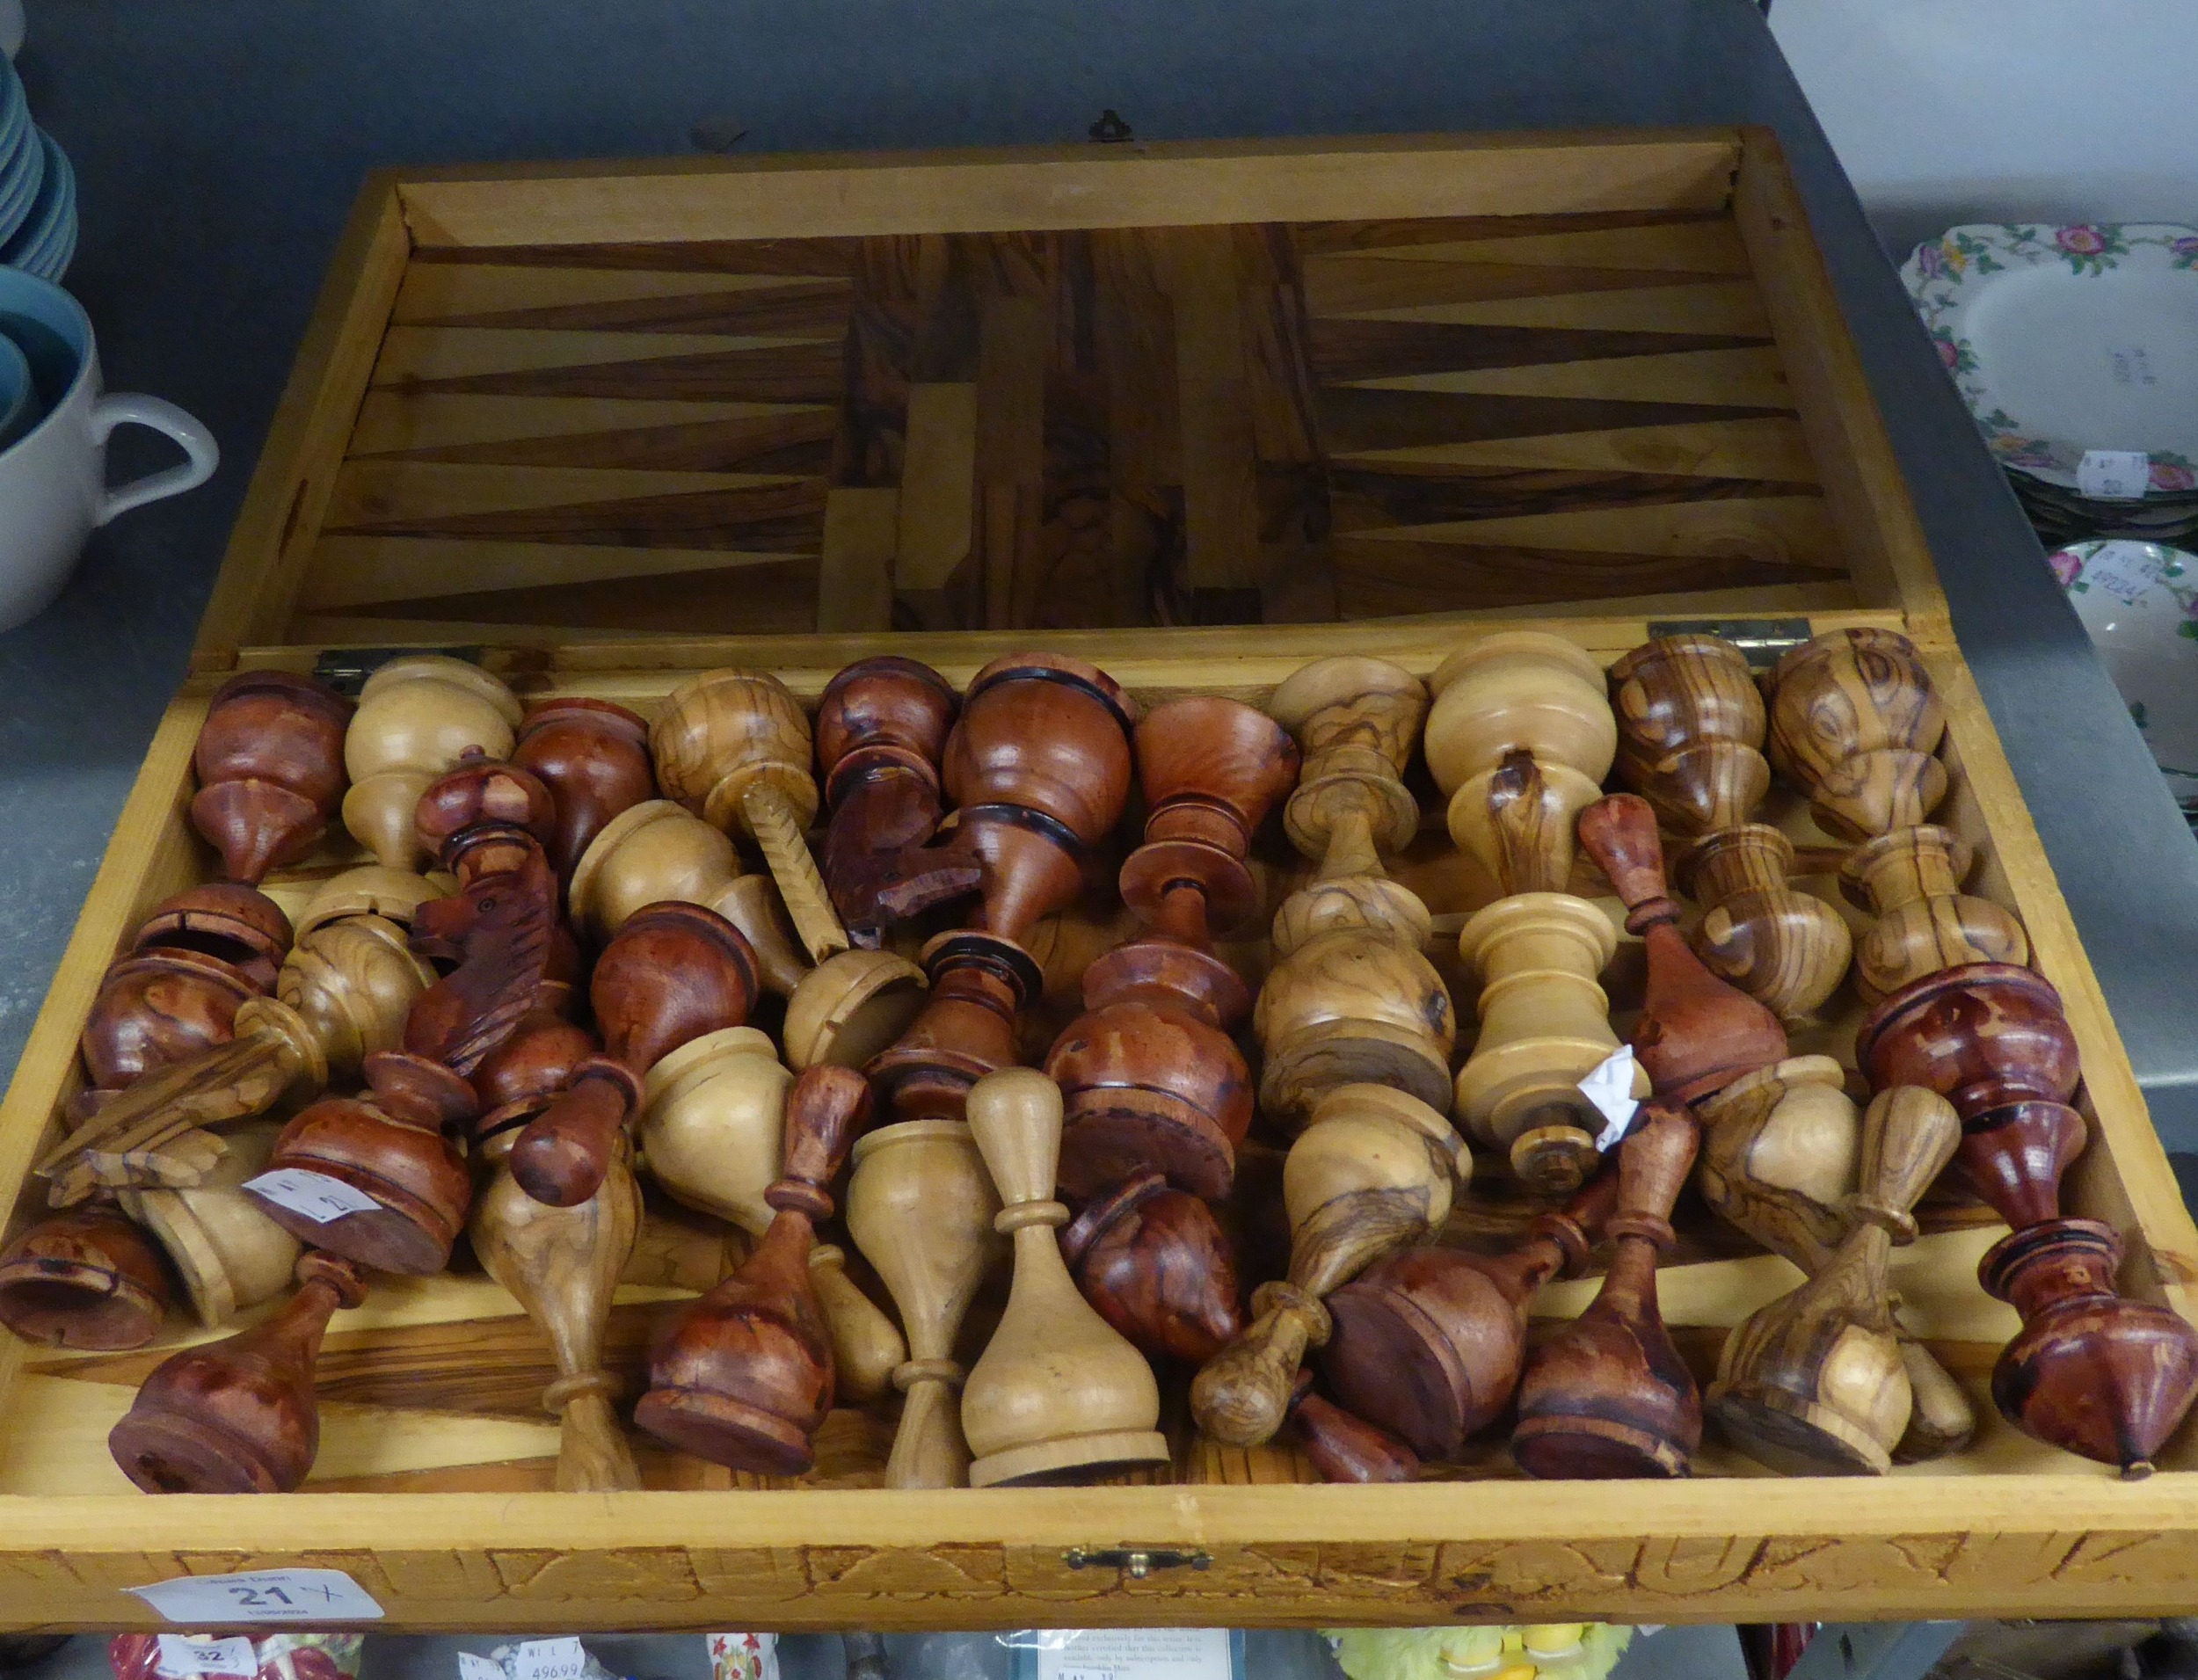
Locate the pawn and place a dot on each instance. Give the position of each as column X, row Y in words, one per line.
column 743, row 1376
column 417, row 716
column 594, row 757
column 1689, row 731
column 1786, row 949
column 270, row 763
column 921, row 1207
column 1816, row 1381
column 1058, row 1393
column 1609, row 1396
column 1854, row 725
column 1352, row 997
column 1911, row 880
column 1156, row 1264
column 733, row 747
column 1519, row 741
column 1545, row 1026
column 1344, row 1448
column 1374, row 1171
column 675, row 972
column 239, row 1416
column 1428, row 1343
column 87, row 1279
column 1696, row 1034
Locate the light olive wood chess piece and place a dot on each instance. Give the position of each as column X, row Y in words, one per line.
column 1786, row 948
column 1545, row 1026
column 1855, row 725
column 1911, row 880
column 921, row 1207
column 711, row 1118
column 417, row 716
column 270, row 763
column 229, row 1255
column 1609, row 1396
column 1691, row 724
column 1815, row 1381
column 1519, row 741
column 1352, row 997
column 1149, row 1072
column 743, row 1376
column 844, row 1010
column 1058, row 1393
column 733, row 746
column 563, row 1265
column 1373, row 1172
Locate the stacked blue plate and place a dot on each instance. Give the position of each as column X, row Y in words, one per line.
column 37, row 189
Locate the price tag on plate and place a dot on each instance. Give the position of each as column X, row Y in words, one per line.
column 479, row 1668
column 261, row 1596
column 180, row 1657
column 1138, row 1654
column 550, row 1659
column 2115, row 475
column 319, row 1197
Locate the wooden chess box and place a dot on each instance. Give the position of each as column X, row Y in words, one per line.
column 1198, row 414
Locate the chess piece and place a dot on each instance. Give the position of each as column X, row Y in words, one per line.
column 2091, row 1371
column 1427, row 1342
column 743, row 1376
column 675, row 972
column 1373, row 1172
column 417, row 716
column 1816, row 1381
column 343, row 991
column 1609, row 1396
column 270, row 763
column 1696, row 1034
column 1545, row 1026
column 594, row 757
column 562, row 1264
column 711, row 1119
column 733, row 747
column 1156, row 1264
column 1351, row 998
column 1149, row 1072
column 239, row 1416
column 1786, row 948
column 87, row 1279
column 881, row 727
column 845, row 1010
column 229, row 1255
column 921, row 1207
column 1854, row 725
column 1519, row 740
column 1689, row 731
column 1344, row 1448
column 1058, row 1393
column 1911, row 880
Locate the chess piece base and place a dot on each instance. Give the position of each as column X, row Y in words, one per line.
column 1075, row 1457
column 724, row 1431
column 1592, row 1449
column 1795, row 1437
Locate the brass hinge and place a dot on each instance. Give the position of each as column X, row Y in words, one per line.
column 1136, row 1561
column 1761, row 641
column 345, row 670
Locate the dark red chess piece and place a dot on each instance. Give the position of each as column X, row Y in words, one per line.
column 270, row 763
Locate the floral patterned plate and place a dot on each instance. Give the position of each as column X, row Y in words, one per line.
column 2139, row 603
column 2069, row 339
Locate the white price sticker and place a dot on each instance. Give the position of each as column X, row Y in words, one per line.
column 262, row 1596
column 319, row 1197
column 180, row 1657
column 479, row 1668
column 2124, row 570
column 1140, row 1653
column 1609, row 1086
column 549, row 1660
column 2116, row 475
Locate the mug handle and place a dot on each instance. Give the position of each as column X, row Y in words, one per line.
column 132, row 408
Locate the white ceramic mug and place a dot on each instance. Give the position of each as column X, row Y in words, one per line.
column 52, row 479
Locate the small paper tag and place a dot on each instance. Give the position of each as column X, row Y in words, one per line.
column 479, row 1668
column 2115, row 475
column 1610, row 1087
column 319, row 1197
column 180, row 1656
column 550, row 1659
column 262, row 1596
column 1140, row 1653
column 2124, row 571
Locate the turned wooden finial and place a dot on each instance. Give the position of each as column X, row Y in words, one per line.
column 1344, row 1448
column 1519, row 741
column 1854, row 725
column 1691, row 724
column 88, row 1279
column 1609, row 1396
column 744, row 1375
column 1786, row 948
column 418, row 716
column 1058, row 1390
column 594, row 757
column 1374, row 1171
column 270, row 763
column 1157, row 1265
column 1912, row 879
